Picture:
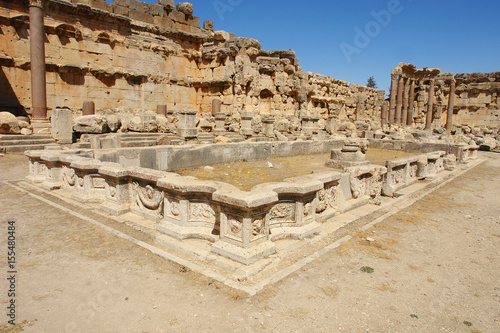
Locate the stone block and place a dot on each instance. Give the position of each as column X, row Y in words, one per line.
column 91, row 124
column 208, row 25
column 62, row 125
column 9, row 123
column 120, row 10
column 167, row 4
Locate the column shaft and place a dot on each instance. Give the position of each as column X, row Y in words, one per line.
column 430, row 106
column 399, row 101
column 383, row 116
column 451, row 105
column 411, row 106
column 392, row 100
column 404, row 115
column 37, row 54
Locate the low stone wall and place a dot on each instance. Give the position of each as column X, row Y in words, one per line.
column 241, row 225
column 170, row 158
column 463, row 153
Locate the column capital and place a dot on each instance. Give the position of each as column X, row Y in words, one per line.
column 36, row 3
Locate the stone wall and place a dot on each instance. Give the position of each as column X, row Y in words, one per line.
column 130, row 55
column 476, row 101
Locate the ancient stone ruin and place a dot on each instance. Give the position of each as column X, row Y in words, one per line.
column 116, row 98
column 425, row 96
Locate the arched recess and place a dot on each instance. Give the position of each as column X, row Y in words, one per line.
column 266, row 97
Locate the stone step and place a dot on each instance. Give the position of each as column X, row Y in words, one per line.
column 6, row 137
column 26, row 142
column 140, row 134
column 81, row 145
column 21, row 148
column 144, row 143
column 137, row 139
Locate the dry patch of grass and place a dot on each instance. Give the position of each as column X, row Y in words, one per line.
column 266, row 294
column 9, row 328
column 414, row 268
column 237, row 294
column 299, row 313
column 379, row 248
column 330, row 291
column 386, row 286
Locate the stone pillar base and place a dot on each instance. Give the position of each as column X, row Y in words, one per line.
column 187, row 132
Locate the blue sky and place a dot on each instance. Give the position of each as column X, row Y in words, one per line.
column 455, row 35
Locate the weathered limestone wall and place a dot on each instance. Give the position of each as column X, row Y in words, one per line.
column 476, row 101
column 131, row 55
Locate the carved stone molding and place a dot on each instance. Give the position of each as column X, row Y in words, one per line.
column 36, row 3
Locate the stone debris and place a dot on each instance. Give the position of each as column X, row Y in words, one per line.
column 9, row 123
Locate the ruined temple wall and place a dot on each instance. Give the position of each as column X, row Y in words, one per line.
column 477, row 101
column 131, row 55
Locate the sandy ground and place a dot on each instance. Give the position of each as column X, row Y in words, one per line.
column 248, row 174
column 436, row 268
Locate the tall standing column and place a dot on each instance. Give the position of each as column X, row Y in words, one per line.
column 404, row 117
column 383, row 116
column 409, row 120
column 37, row 53
column 392, row 101
column 399, row 101
column 430, row 106
column 451, row 105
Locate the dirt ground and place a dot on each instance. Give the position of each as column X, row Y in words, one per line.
column 247, row 174
column 436, row 268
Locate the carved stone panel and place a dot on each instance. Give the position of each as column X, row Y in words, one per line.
column 413, row 170
column 69, row 177
column 283, row 212
column 398, row 174
column 258, row 228
column 234, row 228
column 172, row 208
column 147, row 198
column 201, row 212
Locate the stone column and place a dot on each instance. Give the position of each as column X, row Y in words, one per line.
column 430, row 106
column 404, row 116
column 357, row 114
column 37, row 54
column 215, row 106
column 383, row 116
column 399, row 101
column 246, row 123
column 392, row 105
column 88, row 108
column 310, row 125
column 220, row 121
column 451, row 105
column 409, row 120
column 187, row 124
column 161, row 110
column 268, row 126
